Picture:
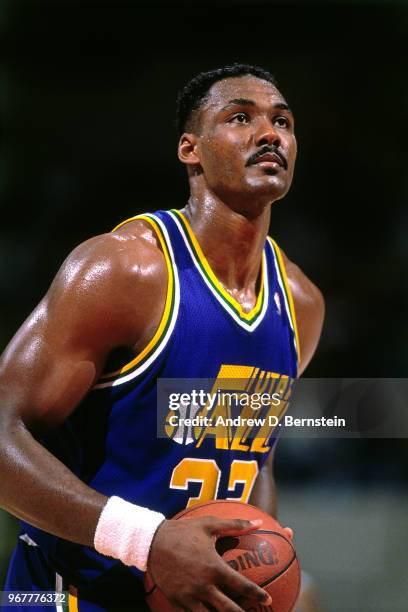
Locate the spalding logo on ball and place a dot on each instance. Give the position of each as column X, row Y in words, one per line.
column 265, row 556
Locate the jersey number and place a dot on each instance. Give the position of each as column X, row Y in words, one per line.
column 207, row 472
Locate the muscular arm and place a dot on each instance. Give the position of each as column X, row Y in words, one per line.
column 309, row 310
column 97, row 302
column 264, row 492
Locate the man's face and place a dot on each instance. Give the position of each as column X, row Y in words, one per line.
column 246, row 142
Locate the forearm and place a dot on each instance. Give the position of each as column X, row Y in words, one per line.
column 38, row 488
column 264, row 493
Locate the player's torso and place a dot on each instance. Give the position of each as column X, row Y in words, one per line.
column 204, row 335
column 120, row 441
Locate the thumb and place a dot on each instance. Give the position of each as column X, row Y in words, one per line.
column 288, row 532
column 231, row 527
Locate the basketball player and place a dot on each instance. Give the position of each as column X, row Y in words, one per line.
column 200, row 292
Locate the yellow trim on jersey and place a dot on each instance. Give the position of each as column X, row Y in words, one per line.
column 227, row 296
column 72, row 603
column 289, row 296
column 167, row 306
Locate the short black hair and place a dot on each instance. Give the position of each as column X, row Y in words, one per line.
column 195, row 92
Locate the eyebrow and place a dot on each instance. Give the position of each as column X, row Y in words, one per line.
column 282, row 106
column 247, row 102
column 239, row 102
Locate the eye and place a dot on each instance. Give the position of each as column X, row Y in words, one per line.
column 239, row 118
column 282, row 122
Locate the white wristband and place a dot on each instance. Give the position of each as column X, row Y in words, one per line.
column 125, row 531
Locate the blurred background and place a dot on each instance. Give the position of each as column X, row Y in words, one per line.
column 87, row 103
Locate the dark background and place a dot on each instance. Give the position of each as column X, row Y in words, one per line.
column 87, row 93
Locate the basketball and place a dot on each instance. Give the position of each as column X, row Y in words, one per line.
column 265, row 556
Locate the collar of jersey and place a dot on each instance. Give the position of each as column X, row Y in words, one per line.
column 206, row 271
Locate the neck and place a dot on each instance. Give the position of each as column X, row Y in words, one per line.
column 231, row 242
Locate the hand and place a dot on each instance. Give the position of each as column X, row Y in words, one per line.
column 186, row 567
column 288, row 532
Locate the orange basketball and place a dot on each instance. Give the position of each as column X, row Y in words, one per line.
column 265, row 556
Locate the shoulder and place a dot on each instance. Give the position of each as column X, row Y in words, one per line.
column 131, row 253
column 116, row 279
column 309, row 309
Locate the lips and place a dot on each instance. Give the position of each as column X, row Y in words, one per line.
column 270, row 157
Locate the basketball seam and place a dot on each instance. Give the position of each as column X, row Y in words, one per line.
column 265, row 531
column 263, row 584
column 283, row 570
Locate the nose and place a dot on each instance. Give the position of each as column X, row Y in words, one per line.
column 267, row 135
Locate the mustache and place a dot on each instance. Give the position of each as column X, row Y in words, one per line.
column 267, row 149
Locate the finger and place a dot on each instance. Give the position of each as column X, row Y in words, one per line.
column 234, row 583
column 195, row 606
column 231, row 527
column 221, row 602
column 288, row 532
column 199, row 607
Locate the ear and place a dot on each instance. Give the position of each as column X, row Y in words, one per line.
column 187, row 149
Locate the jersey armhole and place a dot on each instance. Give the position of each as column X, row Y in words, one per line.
column 283, row 281
column 155, row 346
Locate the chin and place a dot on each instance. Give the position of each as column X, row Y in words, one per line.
column 269, row 186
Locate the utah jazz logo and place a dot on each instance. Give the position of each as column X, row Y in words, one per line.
column 240, row 412
column 182, row 419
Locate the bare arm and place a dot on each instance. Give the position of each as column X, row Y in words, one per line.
column 264, row 492
column 51, row 364
column 309, row 310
